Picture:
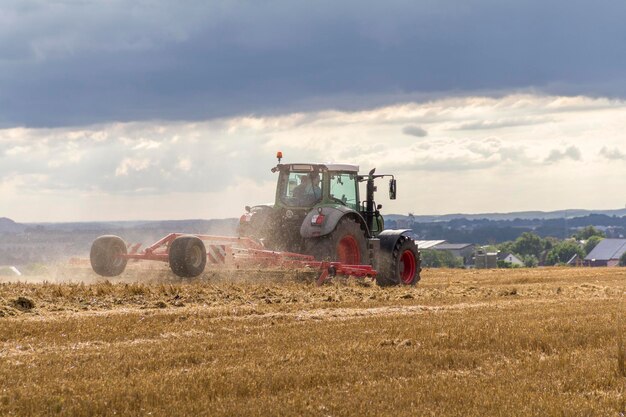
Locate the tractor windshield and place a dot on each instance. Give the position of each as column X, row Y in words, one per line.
column 343, row 186
column 300, row 189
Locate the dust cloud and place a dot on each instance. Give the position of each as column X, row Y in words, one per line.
column 153, row 272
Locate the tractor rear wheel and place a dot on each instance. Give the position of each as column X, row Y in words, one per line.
column 187, row 256
column 106, row 256
column 346, row 244
column 402, row 266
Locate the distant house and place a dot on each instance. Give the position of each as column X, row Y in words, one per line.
column 484, row 260
column 428, row 244
column 606, row 253
column 510, row 258
column 459, row 250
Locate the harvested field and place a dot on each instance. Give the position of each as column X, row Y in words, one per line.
column 467, row 343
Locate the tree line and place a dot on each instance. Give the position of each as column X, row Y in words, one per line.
column 490, row 232
column 532, row 249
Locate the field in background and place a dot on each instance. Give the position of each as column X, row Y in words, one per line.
column 463, row 342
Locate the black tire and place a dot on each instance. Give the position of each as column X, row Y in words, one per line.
column 347, row 244
column 187, row 256
column 401, row 266
column 105, row 256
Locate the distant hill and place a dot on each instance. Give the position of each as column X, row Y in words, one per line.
column 31, row 243
column 228, row 226
column 199, row 226
column 9, row 226
column 483, row 230
column 523, row 215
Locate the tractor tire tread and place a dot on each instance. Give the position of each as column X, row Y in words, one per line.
column 389, row 274
column 324, row 248
column 180, row 251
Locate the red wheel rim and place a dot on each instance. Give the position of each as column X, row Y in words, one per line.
column 348, row 251
column 407, row 267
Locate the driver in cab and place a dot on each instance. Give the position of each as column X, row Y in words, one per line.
column 309, row 191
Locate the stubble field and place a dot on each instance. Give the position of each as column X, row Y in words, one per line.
column 463, row 343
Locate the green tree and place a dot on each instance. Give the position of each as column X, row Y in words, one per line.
column 588, row 232
column 440, row 259
column 506, row 265
column 528, row 244
column 591, row 243
column 506, row 247
column 550, row 242
column 622, row 260
column 530, row 261
column 563, row 252
column 490, row 248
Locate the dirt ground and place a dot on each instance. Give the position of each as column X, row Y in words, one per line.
column 543, row 341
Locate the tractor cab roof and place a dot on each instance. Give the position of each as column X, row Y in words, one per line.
column 316, row 166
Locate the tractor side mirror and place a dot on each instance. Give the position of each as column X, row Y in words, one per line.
column 392, row 189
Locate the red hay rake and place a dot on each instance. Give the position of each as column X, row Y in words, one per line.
column 188, row 255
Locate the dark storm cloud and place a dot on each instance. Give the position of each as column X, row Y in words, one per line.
column 79, row 62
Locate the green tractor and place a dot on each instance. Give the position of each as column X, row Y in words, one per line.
column 318, row 212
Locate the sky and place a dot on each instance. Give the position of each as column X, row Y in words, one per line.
column 155, row 109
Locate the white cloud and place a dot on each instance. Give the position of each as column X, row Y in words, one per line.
column 146, row 145
column 17, row 150
column 128, row 162
column 184, row 164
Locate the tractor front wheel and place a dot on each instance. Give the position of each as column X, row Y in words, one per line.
column 187, row 256
column 106, row 256
column 402, row 266
column 346, row 244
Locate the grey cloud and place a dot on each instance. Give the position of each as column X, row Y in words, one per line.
column 486, row 147
column 413, row 130
column 350, row 152
column 76, row 63
column 457, row 164
column 612, row 154
column 556, row 155
column 516, row 154
column 469, row 155
column 499, row 124
column 449, row 164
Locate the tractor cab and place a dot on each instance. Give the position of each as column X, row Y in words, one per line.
column 308, row 185
column 300, row 185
